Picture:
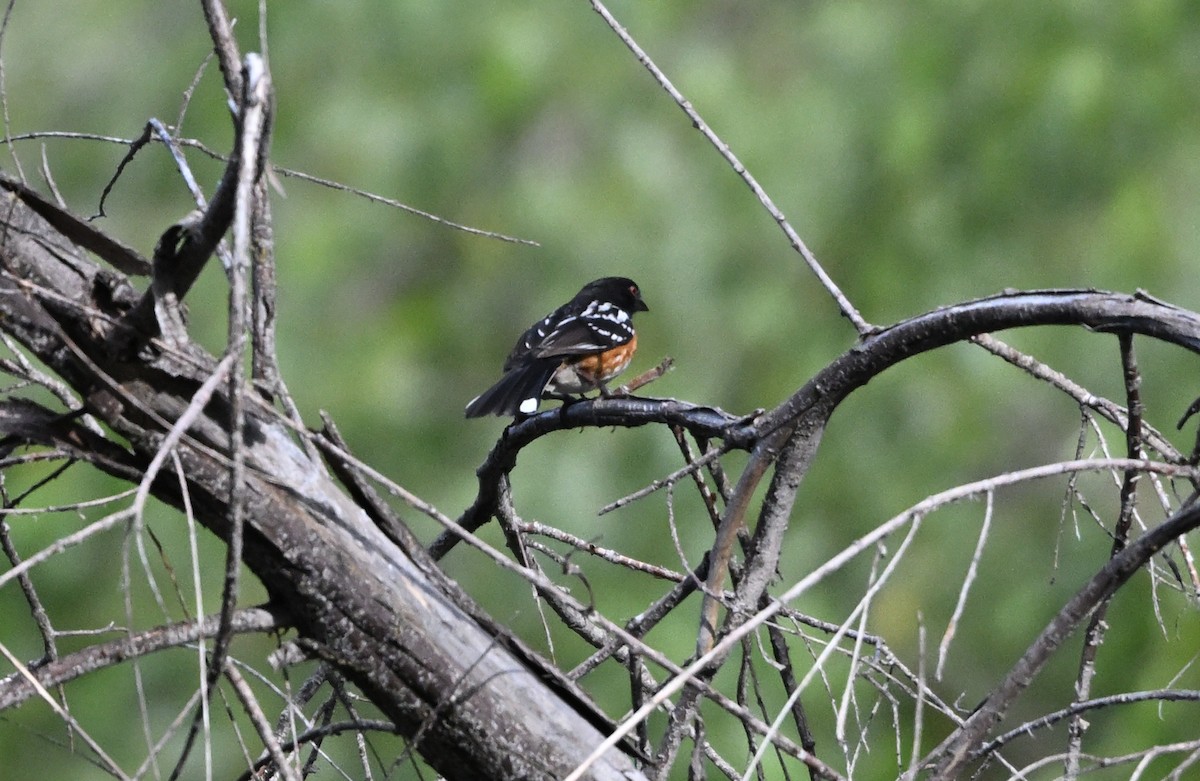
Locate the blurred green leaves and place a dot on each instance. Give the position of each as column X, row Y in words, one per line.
column 927, row 152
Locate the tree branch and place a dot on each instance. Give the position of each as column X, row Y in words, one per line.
column 15, row 688
column 951, row 756
column 358, row 601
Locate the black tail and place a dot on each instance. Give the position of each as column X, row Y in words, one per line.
column 521, row 385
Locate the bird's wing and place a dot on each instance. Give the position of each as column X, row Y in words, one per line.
column 599, row 327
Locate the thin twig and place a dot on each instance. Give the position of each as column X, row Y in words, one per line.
column 965, row 589
column 186, row 99
column 1108, row 409
column 36, row 608
column 220, row 29
column 844, row 306
column 64, row 543
column 1078, row 707
column 691, row 467
column 606, row 554
column 392, row 202
column 646, row 377
column 108, row 762
column 48, row 178
column 246, row 696
column 255, row 121
column 12, row 152
column 1097, row 625
column 787, row 675
column 285, row 172
column 315, row 734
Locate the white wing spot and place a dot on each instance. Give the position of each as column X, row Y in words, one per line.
column 529, row 406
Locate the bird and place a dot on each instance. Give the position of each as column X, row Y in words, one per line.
column 575, row 349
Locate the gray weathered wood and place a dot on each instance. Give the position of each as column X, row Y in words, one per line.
column 478, row 710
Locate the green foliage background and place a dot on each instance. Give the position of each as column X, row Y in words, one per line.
column 928, row 152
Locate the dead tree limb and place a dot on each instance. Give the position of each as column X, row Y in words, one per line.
column 354, row 597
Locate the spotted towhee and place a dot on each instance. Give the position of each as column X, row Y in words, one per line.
column 574, row 349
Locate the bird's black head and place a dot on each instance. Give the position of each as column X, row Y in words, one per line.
column 621, row 291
